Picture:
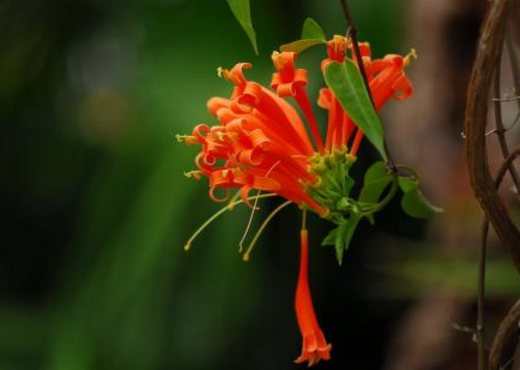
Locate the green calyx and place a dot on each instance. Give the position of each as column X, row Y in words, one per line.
column 334, row 184
column 333, row 188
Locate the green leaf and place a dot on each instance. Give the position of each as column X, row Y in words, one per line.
column 330, row 239
column 346, row 83
column 341, row 236
column 377, row 171
column 312, row 30
column 376, row 180
column 312, row 35
column 414, row 203
column 407, row 184
column 301, row 45
column 242, row 12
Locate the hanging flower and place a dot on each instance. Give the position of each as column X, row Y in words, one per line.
column 262, row 143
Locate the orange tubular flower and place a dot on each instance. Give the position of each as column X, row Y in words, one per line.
column 315, row 347
column 262, row 144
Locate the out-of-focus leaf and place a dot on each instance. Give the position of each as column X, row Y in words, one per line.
column 407, row 184
column 242, row 12
column 301, row 45
column 414, row 203
column 312, row 30
column 411, row 268
column 348, row 86
column 312, row 35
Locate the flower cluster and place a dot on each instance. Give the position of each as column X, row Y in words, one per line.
column 262, row 143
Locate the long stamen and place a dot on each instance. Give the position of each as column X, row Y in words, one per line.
column 232, row 201
column 262, row 227
column 255, row 208
column 408, row 58
column 219, row 213
column 249, row 222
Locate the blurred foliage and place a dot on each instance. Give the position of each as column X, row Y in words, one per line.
column 95, row 209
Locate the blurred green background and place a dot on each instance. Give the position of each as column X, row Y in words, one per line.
column 95, row 209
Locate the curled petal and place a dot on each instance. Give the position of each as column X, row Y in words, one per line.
column 221, row 177
column 326, row 98
column 248, row 98
column 251, row 157
column 226, row 115
column 288, row 77
column 402, row 88
column 235, row 126
column 236, row 75
column 216, row 198
column 205, row 161
column 200, row 131
column 216, row 104
column 259, row 139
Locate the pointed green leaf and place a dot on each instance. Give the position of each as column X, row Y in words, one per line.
column 414, row 202
column 242, row 12
column 301, row 45
column 376, row 180
column 330, row 239
column 341, row 236
column 346, row 83
column 312, row 30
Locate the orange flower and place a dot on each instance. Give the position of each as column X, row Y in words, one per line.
column 262, row 143
column 315, row 347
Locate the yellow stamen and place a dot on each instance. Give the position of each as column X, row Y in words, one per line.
column 188, row 139
column 194, row 174
column 278, row 61
column 230, row 206
column 340, row 44
column 233, row 199
column 227, row 75
column 262, row 227
column 180, row 138
column 409, row 56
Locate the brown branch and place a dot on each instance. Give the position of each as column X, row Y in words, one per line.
column 513, row 64
column 506, row 339
column 500, row 131
column 490, row 44
column 506, row 165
